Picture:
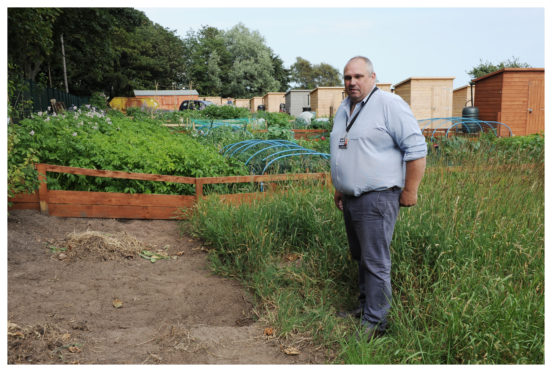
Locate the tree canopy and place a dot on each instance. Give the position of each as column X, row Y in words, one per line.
column 117, row 50
column 484, row 68
column 309, row 76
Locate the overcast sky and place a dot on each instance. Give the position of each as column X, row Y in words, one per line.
column 402, row 42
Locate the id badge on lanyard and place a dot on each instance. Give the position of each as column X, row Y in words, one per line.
column 345, row 140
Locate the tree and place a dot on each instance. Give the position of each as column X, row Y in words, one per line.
column 281, row 74
column 484, row 68
column 252, row 71
column 326, row 76
column 308, row 76
column 156, row 58
column 207, row 61
column 302, row 74
column 30, row 41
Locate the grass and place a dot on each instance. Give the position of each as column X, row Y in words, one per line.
column 468, row 264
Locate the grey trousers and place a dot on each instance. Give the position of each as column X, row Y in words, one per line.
column 370, row 222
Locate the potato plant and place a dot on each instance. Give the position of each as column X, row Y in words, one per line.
column 96, row 140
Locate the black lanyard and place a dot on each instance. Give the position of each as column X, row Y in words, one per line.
column 358, row 112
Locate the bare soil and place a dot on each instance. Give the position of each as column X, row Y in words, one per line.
column 85, row 291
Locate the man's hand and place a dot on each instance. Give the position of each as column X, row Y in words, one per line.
column 338, row 200
column 408, row 198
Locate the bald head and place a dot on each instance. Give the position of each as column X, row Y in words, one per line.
column 359, row 78
column 367, row 62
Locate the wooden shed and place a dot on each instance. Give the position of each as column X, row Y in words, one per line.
column 428, row 97
column 513, row 96
column 242, row 102
column 461, row 97
column 272, row 101
column 168, row 99
column 296, row 100
column 254, row 103
column 326, row 100
column 384, row 86
column 216, row 100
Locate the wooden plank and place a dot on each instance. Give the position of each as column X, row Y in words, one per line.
column 118, row 211
column 25, row 198
column 118, row 174
column 25, row 206
column 112, row 198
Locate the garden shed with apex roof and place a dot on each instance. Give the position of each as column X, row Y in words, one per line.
column 428, row 97
column 216, row 100
column 513, row 96
column 296, row 100
column 462, row 97
column 384, row 86
column 273, row 100
column 254, row 103
column 326, row 100
column 241, row 102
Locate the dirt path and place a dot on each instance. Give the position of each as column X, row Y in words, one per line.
column 69, row 305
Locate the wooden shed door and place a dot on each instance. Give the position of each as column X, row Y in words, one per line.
column 535, row 107
column 440, row 102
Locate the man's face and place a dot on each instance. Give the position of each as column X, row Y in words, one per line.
column 358, row 81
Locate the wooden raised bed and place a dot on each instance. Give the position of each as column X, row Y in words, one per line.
column 63, row 203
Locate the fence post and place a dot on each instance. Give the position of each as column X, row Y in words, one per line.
column 199, row 189
column 42, row 189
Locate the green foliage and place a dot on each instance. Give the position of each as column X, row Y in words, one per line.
column 118, row 50
column 239, row 64
column 308, row 76
column 468, row 264
column 224, row 135
column 280, row 132
column 279, row 124
column 22, row 176
column 209, row 78
column 224, row 112
column 30, row 38
column 484, row 68
column 99, row 100
column 520, row 149
column 18, row 104
column 92, row 139
column 251, row 72
column 322, row 124
column 280, row 119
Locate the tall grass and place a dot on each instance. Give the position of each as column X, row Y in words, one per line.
column 468, row 265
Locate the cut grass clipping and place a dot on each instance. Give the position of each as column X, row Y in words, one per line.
column 105, row 247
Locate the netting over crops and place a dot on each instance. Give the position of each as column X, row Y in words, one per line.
column 452, row 125
column 205, row 125
column 277, row 156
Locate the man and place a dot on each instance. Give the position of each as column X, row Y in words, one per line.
column 377, row 163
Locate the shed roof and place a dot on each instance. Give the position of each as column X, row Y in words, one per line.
column 297, row 90
column 179, row 92
column 274, row 93
column 425, row 78
column 342, row 88
column 462, row 87
column 510, row 69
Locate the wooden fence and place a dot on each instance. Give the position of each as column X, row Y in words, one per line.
column 63, row 203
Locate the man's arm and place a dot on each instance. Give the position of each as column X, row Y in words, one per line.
column 414, row 173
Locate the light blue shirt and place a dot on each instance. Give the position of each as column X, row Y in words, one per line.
column 384, row 136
